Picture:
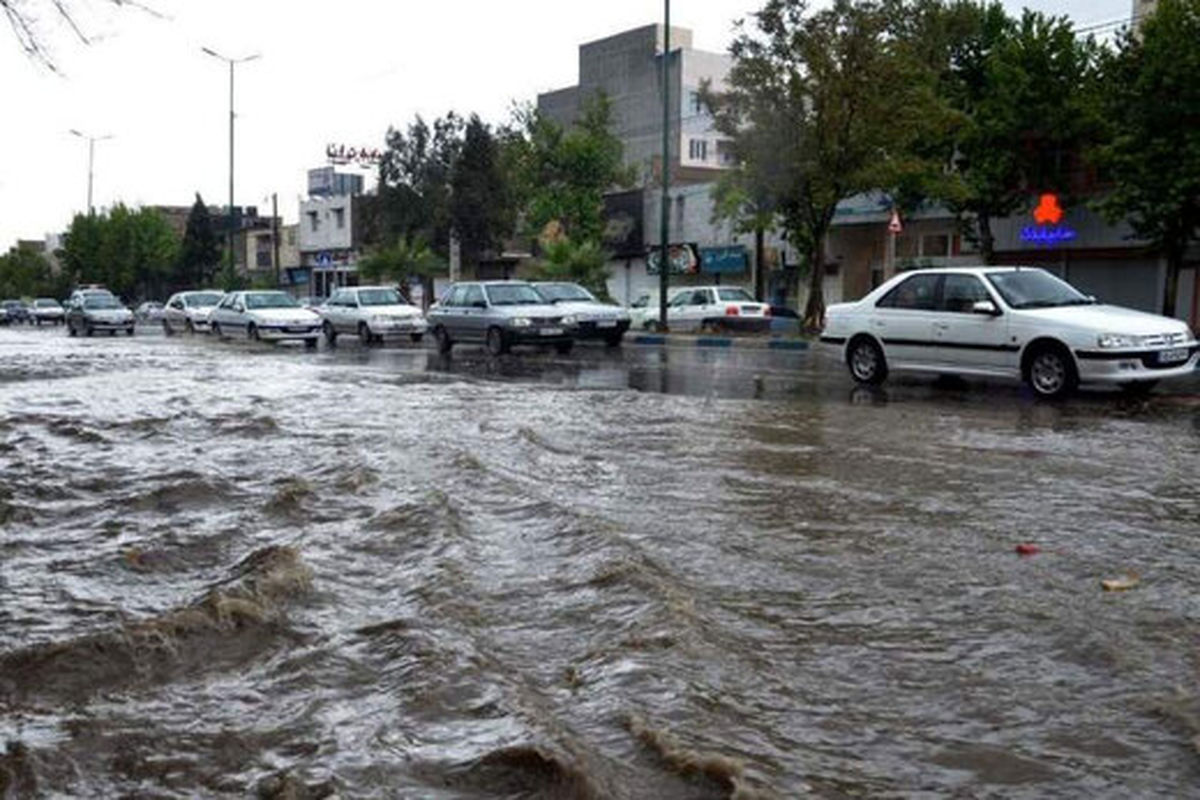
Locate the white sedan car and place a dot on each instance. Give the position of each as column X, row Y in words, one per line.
column 1012, row 322
column 189, row 311
column 372, row 313
column 597, row 320
column 703, row 308
column 265, row 315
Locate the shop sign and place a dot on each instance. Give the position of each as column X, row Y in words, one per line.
column 340, row 154
column 682, row 259
column 1048, row 230
column 723, row 259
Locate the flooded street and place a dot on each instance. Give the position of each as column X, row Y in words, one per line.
column 230, row 569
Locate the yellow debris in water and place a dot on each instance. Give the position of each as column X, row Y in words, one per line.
column 1120, row 584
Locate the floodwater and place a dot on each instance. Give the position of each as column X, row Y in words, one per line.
column 243, row 570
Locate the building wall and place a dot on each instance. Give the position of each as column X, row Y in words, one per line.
column 326, row 224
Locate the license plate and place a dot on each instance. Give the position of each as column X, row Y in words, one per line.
column 1172, row 356
column 551, row 331
column 607, row 323
column 297, row 330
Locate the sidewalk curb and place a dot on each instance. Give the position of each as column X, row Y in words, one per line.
column 718, row 342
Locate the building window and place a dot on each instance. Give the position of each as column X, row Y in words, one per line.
column 698, row 149
column 725, row 155
column 291, row 237
column 339, row 214
column 695, row 103
column 313, row 222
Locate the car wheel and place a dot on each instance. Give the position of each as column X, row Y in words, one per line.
column 564, row 347
column 654, row 326
column 167, row 329
column 128, row 331
column 444, row 342
column 88, row 330
column 866, row 362
column 416, row 337
column 1050, row 372
column 252, row 333
column 497, row 345
column 70, row 330
column 364, row 335
column 613, row 341
column 216, row 330
column 310, row 343
column 190, row 328
column 330, row 333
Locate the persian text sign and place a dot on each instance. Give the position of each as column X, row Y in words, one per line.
column 340, row 154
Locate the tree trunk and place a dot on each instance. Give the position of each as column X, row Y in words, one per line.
column 814, row 309
column 1171, row 290
column 987, row 240
column 759, row 264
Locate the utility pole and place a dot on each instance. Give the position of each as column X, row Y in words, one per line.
column 232, row 62
column 91, row 140
column 663, row 229
column 275, row 234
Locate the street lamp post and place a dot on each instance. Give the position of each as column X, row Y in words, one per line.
column 232, row 62
column 91, row 140
column 663, row 229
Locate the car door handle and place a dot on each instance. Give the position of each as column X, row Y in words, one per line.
column 942, row 326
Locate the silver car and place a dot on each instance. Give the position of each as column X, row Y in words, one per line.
column 189, row 311
column 596, row 320
column 372, row 313
column 266, row 315
column 499, row 314
column 46, row 310
column 96, row 311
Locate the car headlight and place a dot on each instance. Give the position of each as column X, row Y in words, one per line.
column 570, row 319
column 1110, row 341
column 519, row 322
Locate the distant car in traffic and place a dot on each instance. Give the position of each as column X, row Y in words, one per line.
column 1009, row 322
column 705, row 308
column 265, row 315
column 91, row 312
column 372, row 313
column 46, row 310
column 596, row 320
column 189, row 311
column 149, row 311
column 499, row 314
column 17, row 311
column 4, row 320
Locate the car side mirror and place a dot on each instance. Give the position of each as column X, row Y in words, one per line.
column 985, row 307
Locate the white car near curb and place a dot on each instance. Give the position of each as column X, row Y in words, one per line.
column 1008, row 322
column 372, row 313
column 189, row 311
column 265, row 316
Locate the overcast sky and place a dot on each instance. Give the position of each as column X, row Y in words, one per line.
column 329, row 72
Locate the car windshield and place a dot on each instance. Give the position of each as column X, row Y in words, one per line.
column 520, row 294
column 736, row 295
column 202, row 299
column 379, row 297
column 100, row 301
column 260, row 300
column 1035, row 288
column 46, row 303
column 559, row 292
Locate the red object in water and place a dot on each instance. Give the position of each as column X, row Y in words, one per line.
column 1028, row 549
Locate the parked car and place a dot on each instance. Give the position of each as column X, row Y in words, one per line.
column 644, row 311
column 499, row 314
column 265, row 315
column 707, row 308
column 46, row 310
column 91, row 312
column 17, row 310
column 4, row 320
column 596, row 320
column 371, row 313
column 149, row 311
column 189, row 311
column 1014, row 322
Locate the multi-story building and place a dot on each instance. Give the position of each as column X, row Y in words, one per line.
column 328, row 243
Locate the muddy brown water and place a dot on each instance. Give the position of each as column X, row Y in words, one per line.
column 231, row 570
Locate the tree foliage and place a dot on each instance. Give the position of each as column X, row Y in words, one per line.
column 200, row 252
column 1150, row 96
column 481, row 209
column 24, row 272
column 821, row 106
column 132, row 252
column 562, row 259
column 29, row 19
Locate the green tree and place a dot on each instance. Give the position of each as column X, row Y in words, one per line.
column 831, row 104
column 129, row 251
column 1150, row 95
column 200, row 252
column 585, row 263
column 24, row 272
column 481, row 211
column 400, row 262
column 1018, row 93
